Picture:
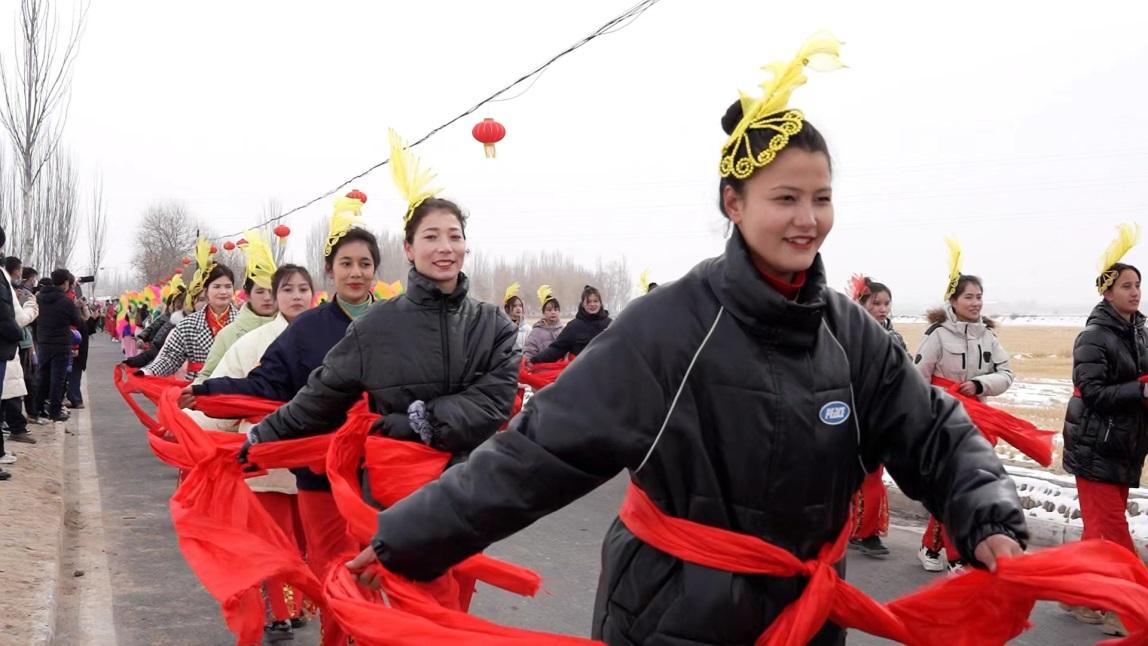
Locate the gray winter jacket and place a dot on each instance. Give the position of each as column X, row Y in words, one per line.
column 961, row 351
column 541, row 336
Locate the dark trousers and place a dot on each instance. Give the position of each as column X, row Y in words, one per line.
column 28, row 363
column 73, row 389
column 3, row 370
column 53, row 373
column 13, row 413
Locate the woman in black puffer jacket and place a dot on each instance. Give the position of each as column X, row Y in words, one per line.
column 1106, row 426
column 591, row 320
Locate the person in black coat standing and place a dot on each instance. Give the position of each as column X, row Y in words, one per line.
column 747, row 396
column 58, row 315
column 10, row 334
column 592, row 319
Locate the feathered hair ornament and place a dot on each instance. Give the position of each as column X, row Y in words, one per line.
column 858, row 287
column 769, row 111
column 260, row 260
column 386, row 291
column 644, row 281
column 204, row 264
column 954, row 266
column 511, row 292
column 348, row 213
column 545, row 295
column 413, row 182
column 1127, row 236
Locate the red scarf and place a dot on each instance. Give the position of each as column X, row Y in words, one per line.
column 217, row 323
column 996, row 424
column 233, row 545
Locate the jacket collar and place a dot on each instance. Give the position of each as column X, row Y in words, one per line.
column 746, row 295
column 423, row 291
column 583, row 315
column 1106, row 316
column 965, row 329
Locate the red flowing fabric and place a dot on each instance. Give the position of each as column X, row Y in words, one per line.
column 996, row 424
column 541, row 375
column 871, row 507
column 973, row 609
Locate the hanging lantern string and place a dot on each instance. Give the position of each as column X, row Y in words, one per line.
column 616, row 24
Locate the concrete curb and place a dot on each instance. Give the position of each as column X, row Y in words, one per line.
column 43, row 618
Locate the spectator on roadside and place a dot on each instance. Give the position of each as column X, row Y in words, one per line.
column 25, row 284
column 9, row 335
column 58, row 315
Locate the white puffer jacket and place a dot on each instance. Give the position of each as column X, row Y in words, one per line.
column 961, row 351
column 240, row 359
column 14, row 374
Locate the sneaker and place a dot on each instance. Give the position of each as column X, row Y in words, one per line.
column 279, row 631
column 298, row 622
column 4, row 475
column 61, row 418
column 1113, row 626
column 930, row 560
column 75, row 406
column 956, row 567
column 1083, row 614
column 22, row 437
column 873, row 547
column 8, row 458
column 40, row 421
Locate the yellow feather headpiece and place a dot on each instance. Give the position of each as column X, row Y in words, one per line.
column 348, row 213
column 644, row 281
column 1127, row 236
column 204, row 264
column 769, row 112
column 260, row 260
column 511, row 292
column 545, row 295
column 413, row 182
column 954, row 266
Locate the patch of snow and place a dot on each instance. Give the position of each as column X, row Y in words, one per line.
column 1037, row 393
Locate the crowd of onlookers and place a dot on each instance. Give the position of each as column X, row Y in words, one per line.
column 45, row 325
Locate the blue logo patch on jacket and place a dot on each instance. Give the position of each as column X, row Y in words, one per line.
column 834, row 413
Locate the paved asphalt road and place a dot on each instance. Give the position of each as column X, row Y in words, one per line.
column 157, row 601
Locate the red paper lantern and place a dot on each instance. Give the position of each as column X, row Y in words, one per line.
column 229, row 245
column 186, row 261
column 242, row 241
column 488, row 132
column 282, row 231
column 179, row 270
column 356, row 194
column 214, row 249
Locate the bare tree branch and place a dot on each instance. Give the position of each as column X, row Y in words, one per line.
column 97, row 229
column 162, row 241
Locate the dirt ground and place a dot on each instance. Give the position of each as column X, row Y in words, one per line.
column 31, row 505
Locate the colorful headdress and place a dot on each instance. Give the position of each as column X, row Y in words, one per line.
column 386, row 291
column 1126, row 237
column 770, row 112
column 545, row 295
column 260, row 260
column 348, row 213
column 858, row 287
column 204, row 264
column 954, row 266
column 511, row 292
column 413, row 182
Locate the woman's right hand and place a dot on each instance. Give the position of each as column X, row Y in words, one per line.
column 186, row 398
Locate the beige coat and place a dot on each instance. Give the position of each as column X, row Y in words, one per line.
column 14, row 374
column 961, row 351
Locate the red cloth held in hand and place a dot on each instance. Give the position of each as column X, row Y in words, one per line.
column 996, row 424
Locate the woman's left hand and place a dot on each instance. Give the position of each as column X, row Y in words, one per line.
column 994, row 547
column 969, row 389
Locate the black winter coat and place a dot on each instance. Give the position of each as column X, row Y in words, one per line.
column 145, row 358
column 58, row 314
column 577, row 334
column 749, row 447
column 10, row 331
column 1106, row 427
column 453, row 353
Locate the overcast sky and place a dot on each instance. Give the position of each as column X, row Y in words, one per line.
column 1017, row 126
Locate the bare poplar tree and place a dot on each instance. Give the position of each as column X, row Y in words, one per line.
column 36, row 83
column 163, row 240
column 55, row 213
column 97, row 229
column 313, row 261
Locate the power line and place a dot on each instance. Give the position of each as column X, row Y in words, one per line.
column 616, row 24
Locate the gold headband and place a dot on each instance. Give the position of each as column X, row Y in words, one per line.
column 954, row 266
column 413, row 182
column 770, row 112
column 348, row 213
column 204, row 265
column 1126, row 237
column 260, row 260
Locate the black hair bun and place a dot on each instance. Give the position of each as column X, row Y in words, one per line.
column 732, row 117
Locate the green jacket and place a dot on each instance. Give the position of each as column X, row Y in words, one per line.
column 246, row 321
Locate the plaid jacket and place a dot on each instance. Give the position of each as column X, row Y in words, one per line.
column 190, row 342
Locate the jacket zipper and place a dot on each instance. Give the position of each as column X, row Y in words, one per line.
column 1108, row 431
column 445, row 349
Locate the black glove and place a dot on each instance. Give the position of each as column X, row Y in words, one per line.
column 242, row 457
column 398, row 426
